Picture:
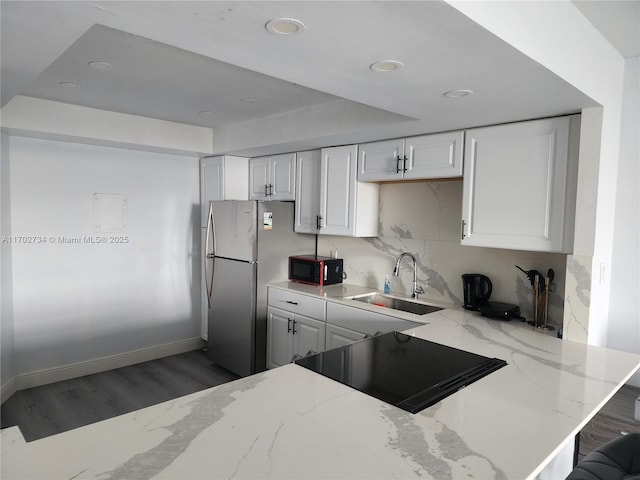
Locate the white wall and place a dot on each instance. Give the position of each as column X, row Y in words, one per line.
column 6, row 292
column 623, row 331
column 74, row 302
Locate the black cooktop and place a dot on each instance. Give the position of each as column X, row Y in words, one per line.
column 405, row 371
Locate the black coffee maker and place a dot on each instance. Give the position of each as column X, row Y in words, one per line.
column 477, row 289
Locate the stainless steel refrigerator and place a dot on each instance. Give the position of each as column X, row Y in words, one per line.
column 247, row 245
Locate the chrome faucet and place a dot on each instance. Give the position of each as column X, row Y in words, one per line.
column 416, row 288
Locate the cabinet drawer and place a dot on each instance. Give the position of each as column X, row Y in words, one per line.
column 365, row 321
column 297, row 303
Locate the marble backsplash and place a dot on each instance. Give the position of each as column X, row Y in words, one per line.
column 423, row 218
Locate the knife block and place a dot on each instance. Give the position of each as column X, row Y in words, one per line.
column 541, row 310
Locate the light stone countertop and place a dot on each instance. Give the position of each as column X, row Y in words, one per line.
column 293, row 423
column 340, row 293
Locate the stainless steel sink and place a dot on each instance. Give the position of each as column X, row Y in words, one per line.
column 396, row 303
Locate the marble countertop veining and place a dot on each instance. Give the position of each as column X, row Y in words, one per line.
column 293, row 423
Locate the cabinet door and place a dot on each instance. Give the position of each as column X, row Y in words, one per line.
column 338, row 168
column 258, row 178
column 279, row 338
column 365, row 321
column 338, row 336
column 434, row 156
column 211, row 184
column 514, row 185
column 308, row 335
column 379, row 161
column 307, row 192
column 283, row 177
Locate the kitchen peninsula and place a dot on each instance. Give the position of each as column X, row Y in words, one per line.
column 290, row 422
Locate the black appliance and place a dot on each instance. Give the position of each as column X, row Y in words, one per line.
column 477, row 289
column 500, row 311
column 315, row 270
column 405, row 371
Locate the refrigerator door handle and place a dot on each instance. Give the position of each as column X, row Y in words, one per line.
column 208, row 256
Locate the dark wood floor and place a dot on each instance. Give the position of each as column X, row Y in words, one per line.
column 615, row 419
column 62, row 406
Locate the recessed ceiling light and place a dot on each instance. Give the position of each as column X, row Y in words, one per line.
column 205, row 113
column 69, row 85
column 100, row 65
column 248, row 100
column 285, row 26
column 386, row 66
column 458, row 93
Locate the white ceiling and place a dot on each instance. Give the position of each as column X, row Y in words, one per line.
column 174, row 59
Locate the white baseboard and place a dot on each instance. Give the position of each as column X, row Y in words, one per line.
column 66, row 372
column 8, row 389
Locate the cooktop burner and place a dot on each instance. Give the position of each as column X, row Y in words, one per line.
column 405, row 371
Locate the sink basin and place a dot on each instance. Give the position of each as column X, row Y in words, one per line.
column 396, row 303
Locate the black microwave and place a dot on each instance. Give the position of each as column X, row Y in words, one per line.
column 315, row 270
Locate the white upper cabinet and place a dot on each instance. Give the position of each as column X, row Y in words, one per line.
column 273, row 177
column 382, row 160
column 222, row 178
column 423, row 157
column 307, row 212
column 347, row 207
column 519, row 185
column 259, row 178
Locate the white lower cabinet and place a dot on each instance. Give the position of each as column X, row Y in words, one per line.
column 339, row 336
column 295, row 325
column 290, row 334
column 298, row 324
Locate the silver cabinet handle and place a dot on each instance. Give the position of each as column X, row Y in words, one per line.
column 270, row 189
column 318, row 222
column 289, row 325
column 398, row 160
column 266, row 190
column 294, row 327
